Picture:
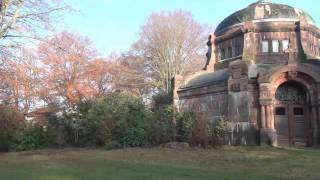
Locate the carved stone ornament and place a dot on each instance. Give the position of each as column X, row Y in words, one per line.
column 292, row 75
column 235, row 87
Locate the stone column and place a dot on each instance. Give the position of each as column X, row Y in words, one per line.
column 268, row 116
column 314, row 123
column 318, row 119
column 272, row 117
column 176, row 82
column 263, row 117
column 267, row 133
column 317, row 127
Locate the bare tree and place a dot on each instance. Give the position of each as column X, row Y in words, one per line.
column 171, row 43
column 131, row 76
column 23, row 20
column 22, row 17
column 116, row 73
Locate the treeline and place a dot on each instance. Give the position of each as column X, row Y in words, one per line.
column 117, row 120
column 56, row 91
column 46, row 94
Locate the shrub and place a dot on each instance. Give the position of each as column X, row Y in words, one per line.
column 163, row 125
column 71, row 125
column 33, row 137
column 118, row 120
column 11, row 121
column 207, row 133
column 221, row 128
column 122, row 120
column 185, row 123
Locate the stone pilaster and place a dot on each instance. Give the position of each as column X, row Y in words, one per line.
column 314, row 119
column 263, row 117
column 268, row 135
column 272, row 117
column 317, row 132
column 176, row 82
column 268, row 116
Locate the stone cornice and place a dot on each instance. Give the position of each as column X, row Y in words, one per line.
column 265, row 26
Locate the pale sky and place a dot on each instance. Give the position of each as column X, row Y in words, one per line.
column 113, row 25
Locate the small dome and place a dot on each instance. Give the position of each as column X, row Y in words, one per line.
column 208, row 78
column 263, row 10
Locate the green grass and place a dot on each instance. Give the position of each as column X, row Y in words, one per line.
column 161, row 164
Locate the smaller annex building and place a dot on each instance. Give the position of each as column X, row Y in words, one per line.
column 262, row 75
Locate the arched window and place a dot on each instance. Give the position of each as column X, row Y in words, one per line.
column 285, row 45
column 229, row 52
column 237, row 50
column 275, row 46
column 222, row 53
column 265, row 46
column 291, row 92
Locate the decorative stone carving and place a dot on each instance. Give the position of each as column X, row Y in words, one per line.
column 235, row 87
column 292, row 74
column 209, row 53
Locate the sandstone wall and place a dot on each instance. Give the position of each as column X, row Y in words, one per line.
column 212, row 106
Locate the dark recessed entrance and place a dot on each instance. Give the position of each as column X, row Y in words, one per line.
column 291, row 115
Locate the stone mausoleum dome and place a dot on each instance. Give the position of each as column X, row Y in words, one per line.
column 263, row 10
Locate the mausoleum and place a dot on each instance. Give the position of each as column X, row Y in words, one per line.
column 262, row 75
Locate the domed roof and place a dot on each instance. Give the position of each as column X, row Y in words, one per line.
column 208, row 78
column 263, row 10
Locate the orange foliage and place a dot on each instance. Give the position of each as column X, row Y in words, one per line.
column 64, row 71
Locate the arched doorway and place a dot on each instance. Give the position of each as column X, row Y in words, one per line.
column 291, row 114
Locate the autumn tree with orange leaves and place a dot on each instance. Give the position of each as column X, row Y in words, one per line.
column 72, row 73
column 20, row 85
column 64, row 60
column 22, row 23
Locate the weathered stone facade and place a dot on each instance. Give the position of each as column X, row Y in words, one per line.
column 262, row 75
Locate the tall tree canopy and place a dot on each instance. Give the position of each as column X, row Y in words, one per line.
column 64, row 59
column 24, row 19
column 171, row 43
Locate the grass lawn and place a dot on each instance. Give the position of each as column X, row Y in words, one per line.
column 158, row 163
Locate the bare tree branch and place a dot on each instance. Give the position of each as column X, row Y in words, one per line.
column 171, row 43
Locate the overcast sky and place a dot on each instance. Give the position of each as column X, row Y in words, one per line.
column 113, row 25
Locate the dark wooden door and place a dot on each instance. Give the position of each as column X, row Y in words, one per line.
column 298, row 125
column 290, row 124
column 282, row 125
column 291, row 114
